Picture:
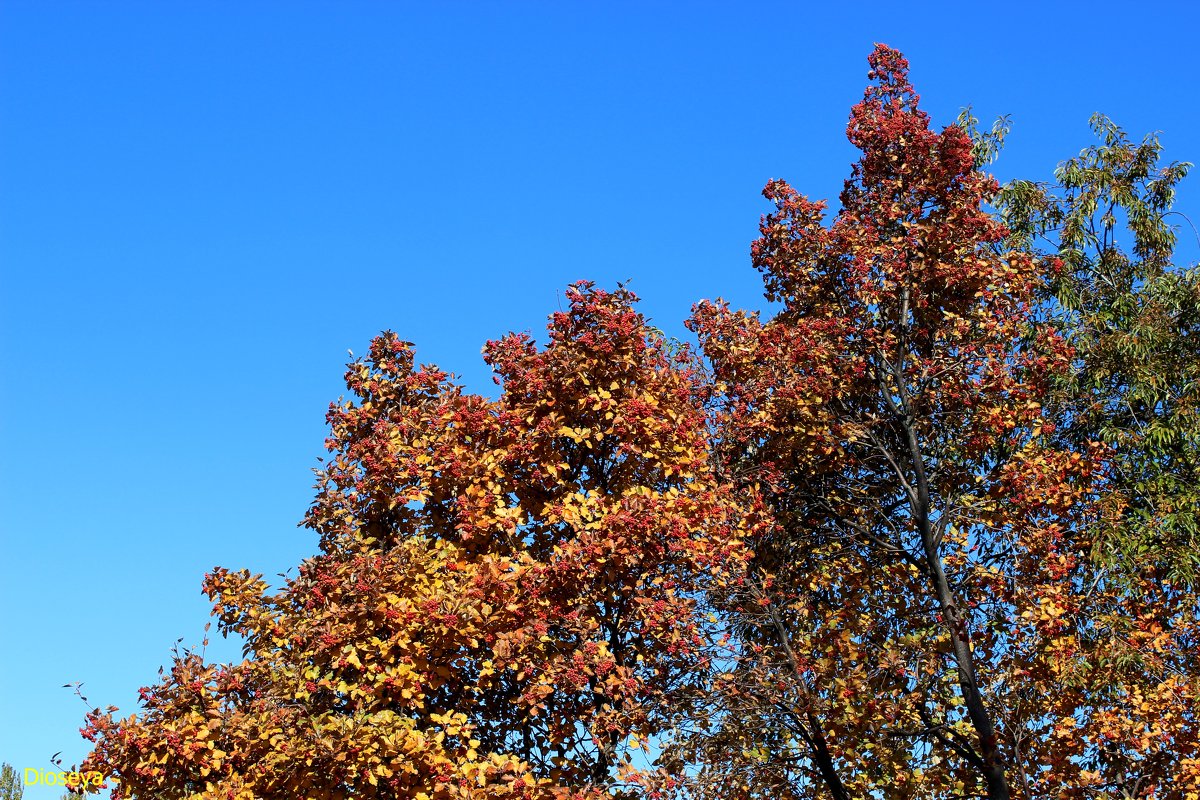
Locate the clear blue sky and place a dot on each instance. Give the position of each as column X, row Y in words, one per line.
column 204, row 205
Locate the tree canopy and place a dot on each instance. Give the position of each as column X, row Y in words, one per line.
column 928, row 531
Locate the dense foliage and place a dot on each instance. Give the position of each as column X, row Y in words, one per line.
column 505, row 594
column 927, row 532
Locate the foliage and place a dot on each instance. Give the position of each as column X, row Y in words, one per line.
column 926, row 621
column 10, row 783
column 927, row 532
column 1134, row 322
column 503, row 596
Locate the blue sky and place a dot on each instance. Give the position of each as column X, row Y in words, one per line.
column 203, row 206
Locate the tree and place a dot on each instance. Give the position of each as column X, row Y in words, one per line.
column 925, row 621
column 11, row 787
column 504, row 593
column 1134, row 321
column 10, row 783
column 926, row 532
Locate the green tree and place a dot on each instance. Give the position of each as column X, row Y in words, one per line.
column 10, row 783
column 1132, row 316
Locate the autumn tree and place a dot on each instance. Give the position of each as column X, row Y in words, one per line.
column 924, row 619
column 928, row 531
column 504, row 592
